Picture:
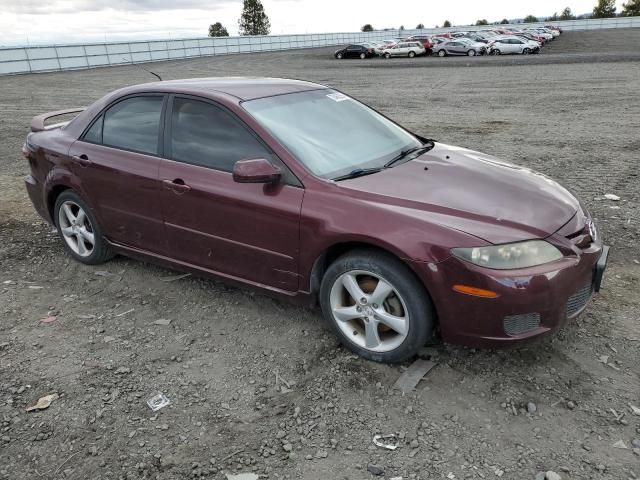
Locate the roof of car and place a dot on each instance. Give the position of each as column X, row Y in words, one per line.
column 244, row 88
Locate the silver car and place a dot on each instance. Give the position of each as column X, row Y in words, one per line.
column 460, row 46
column 405, row 49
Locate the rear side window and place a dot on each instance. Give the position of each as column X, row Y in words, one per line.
column 94, row 134
column 133, row 124
column 206, row 135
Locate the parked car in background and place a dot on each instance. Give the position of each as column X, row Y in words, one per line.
column 460, row 46
column 529, row 36
column 299, row 190
column 513, row 45
column 355, row 51
column 536, row 31
column 425, row 40
column 405, row 49
column 476, row 38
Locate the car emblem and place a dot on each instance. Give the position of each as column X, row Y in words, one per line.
column 592, row 229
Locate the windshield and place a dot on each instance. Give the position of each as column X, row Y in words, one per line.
column 329, row 132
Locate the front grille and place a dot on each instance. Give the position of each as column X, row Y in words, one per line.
column 578, row 300
column 518, row 324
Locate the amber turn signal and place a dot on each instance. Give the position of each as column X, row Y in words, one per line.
column 476, row 292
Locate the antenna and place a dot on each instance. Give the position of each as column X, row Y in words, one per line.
column 142, row 68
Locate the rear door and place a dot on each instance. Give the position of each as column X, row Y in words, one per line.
column 116, row 161
column 241, row 230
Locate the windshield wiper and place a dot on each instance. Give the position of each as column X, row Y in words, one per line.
column 358, row 172
column 410, row 151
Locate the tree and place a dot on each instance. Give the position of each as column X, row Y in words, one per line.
column 367, row 27
column 567, row 15
column 554, row 17
column 504, row 21
column 217, row 30
column 482, row 22
column 604, row 9
column 401, row 27
column 253, row 20
column 446, row 24
column 420, row 26
column 530, row 19
column 631, row 8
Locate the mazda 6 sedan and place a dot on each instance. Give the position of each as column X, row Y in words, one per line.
column 299, row 190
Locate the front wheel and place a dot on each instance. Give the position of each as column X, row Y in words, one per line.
column 79, row 230
column 495, row 52
column 339, row 56
column 526, row 51
column 442, row 53
column 471, row 53
column 387, row 55
column 376, row 306
column 412, row 54
column 363, row 56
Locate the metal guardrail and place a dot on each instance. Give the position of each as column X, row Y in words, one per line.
column 31, row 59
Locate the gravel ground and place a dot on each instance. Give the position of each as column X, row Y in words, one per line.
column 257, row 385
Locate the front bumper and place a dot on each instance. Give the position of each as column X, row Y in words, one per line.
column 530, row 302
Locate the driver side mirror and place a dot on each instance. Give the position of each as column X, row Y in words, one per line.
column 258, row 170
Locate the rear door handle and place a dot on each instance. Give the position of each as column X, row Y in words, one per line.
column 83, row 160
column 177, row 185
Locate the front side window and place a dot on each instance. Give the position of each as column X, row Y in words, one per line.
column 206, row 135
column 133, row 124
column 330, row 133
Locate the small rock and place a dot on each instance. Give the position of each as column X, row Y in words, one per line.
column 611, row 196
column 375, row 469
column 414, row 444
column 620, row 444
column 321, row 454
column 287, row 447
column 532, row 407
column 541, row 476
column 551, row 475
column 571, row 405
column 636, row 442
column 162, row 321
column 108, row 339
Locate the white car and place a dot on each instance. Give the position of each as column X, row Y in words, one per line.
column 512, row 44
column 541, row 33
column 405, row 49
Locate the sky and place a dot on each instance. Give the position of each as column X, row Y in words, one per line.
column 32, row 22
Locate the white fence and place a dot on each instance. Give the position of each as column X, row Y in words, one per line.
column 69, row 57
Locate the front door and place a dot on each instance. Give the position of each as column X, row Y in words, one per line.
column 244, row 231
column 116, row 162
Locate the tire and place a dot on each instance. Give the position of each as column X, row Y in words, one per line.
column 496, row 52
column 471, row 53
column 339, row 56
column 412, row 54
column 363, row 56
column 76, row 235
column 526, row 51
column 442, row 53
column 387, row 55
column 363, row 325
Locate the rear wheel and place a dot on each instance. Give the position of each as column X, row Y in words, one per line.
column 471, row 53
column 79, row 229
column 363, row 55
column 376, row 306
column 339, row 56
column 442, row 53
column 387, row 55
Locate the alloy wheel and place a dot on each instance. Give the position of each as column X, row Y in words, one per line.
column 441, row 53
column 76, row 228
column 369, row 311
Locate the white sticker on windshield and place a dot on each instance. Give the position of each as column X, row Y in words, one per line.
column 338, row 97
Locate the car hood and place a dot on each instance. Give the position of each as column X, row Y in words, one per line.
column 471, row 192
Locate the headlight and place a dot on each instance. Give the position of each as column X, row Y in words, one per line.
column 510, row 256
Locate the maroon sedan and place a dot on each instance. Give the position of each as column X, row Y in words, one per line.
column 300, row 190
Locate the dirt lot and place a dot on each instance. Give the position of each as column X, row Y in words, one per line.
column 257, row 385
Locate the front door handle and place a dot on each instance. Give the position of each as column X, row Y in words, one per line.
column 177, row 185
column 83, row 160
